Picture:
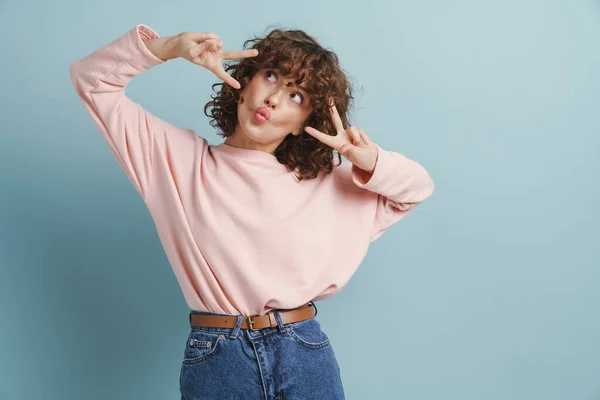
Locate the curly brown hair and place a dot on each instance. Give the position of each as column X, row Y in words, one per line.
column 294, row 53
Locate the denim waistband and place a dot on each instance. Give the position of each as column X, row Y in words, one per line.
column 233, row 331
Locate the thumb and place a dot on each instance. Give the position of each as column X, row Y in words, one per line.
column 346, row 149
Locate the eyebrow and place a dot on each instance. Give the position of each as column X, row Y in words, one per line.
column 299, row 87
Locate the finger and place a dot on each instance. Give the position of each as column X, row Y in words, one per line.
column 217, row 44
column 224, row 76
column 356, row 138
column 364, row 136
column 208, row 45
column 235, row 54
column 337, row 121
column 327, row 139
column 202, row 35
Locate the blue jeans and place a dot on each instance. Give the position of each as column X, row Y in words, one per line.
column 292, row 361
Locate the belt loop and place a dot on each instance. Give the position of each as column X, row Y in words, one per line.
column 237, row 327
column 279, row 321
column 315, row 306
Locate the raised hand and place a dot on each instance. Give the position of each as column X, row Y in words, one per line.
column 353, row 143
column 205, row 49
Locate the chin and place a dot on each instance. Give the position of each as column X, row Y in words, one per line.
column 250, row 131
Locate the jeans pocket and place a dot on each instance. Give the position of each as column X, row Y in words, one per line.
column 309, row 333
column 200, row 346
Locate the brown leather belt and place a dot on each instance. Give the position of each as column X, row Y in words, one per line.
column 254, row 322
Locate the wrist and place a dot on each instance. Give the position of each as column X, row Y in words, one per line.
column 162, row 47
column 374, row 164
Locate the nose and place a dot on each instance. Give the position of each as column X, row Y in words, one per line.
column 273, row 99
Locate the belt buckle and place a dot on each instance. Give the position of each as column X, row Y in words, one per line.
column 250, row 323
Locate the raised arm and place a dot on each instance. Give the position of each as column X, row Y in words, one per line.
column 131, row 132
column 401, row 185
column 135, row 136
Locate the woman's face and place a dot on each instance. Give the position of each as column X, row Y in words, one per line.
column 287, row 107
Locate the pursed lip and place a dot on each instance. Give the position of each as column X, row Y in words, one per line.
column 264, row 111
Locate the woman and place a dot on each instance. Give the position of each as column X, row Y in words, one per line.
column 260, row 227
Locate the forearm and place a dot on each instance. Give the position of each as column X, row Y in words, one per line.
column 100, row 80
column 396, row 177
column 162, row 47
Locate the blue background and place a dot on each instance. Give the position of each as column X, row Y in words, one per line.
column 490, row 290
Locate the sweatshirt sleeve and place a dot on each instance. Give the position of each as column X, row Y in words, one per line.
column 401, row 185
column 133, row 134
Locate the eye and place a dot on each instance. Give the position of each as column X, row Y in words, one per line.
column 273, row 73
column 301, row 97
column 269, row 73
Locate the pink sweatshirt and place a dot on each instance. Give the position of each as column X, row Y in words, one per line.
column 242, row 234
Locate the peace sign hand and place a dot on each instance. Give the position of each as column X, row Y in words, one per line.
column 353, row 143
column 204, row 49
